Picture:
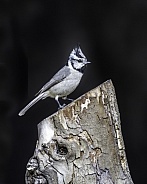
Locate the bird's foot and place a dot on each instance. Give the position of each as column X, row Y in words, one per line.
column 61, row 106
column 70, row 99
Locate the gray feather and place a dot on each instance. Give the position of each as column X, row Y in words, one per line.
column 58, row 77
column 34, row 101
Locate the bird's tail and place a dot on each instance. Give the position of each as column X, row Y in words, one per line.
column 34, row 101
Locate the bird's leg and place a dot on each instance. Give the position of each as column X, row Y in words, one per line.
column 65, row 98
column 57, row 100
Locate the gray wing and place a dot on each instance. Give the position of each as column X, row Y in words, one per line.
column 58, row 77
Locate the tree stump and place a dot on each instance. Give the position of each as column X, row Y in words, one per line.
column 81, row 143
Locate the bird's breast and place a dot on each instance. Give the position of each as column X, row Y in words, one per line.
column 67, row 86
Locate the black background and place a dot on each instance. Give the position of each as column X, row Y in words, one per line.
column 36, row 37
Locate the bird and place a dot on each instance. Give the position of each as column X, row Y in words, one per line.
column 64, row 82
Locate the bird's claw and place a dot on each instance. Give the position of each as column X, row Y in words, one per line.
column 61, row 106
column 69, row 99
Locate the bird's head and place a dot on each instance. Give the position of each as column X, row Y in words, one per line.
column 77, row 59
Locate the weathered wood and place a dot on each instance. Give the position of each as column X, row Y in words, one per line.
column 82, row 143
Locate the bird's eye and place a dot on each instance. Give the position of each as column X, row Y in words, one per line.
column 80, row 60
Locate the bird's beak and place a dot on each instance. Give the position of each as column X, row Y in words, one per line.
column 87, row 62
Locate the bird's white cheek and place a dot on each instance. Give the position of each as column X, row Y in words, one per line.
column 78, row 65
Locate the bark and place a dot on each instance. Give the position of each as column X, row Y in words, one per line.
column 81, row 143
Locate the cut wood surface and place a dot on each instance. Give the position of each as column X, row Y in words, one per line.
column 81, row 143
